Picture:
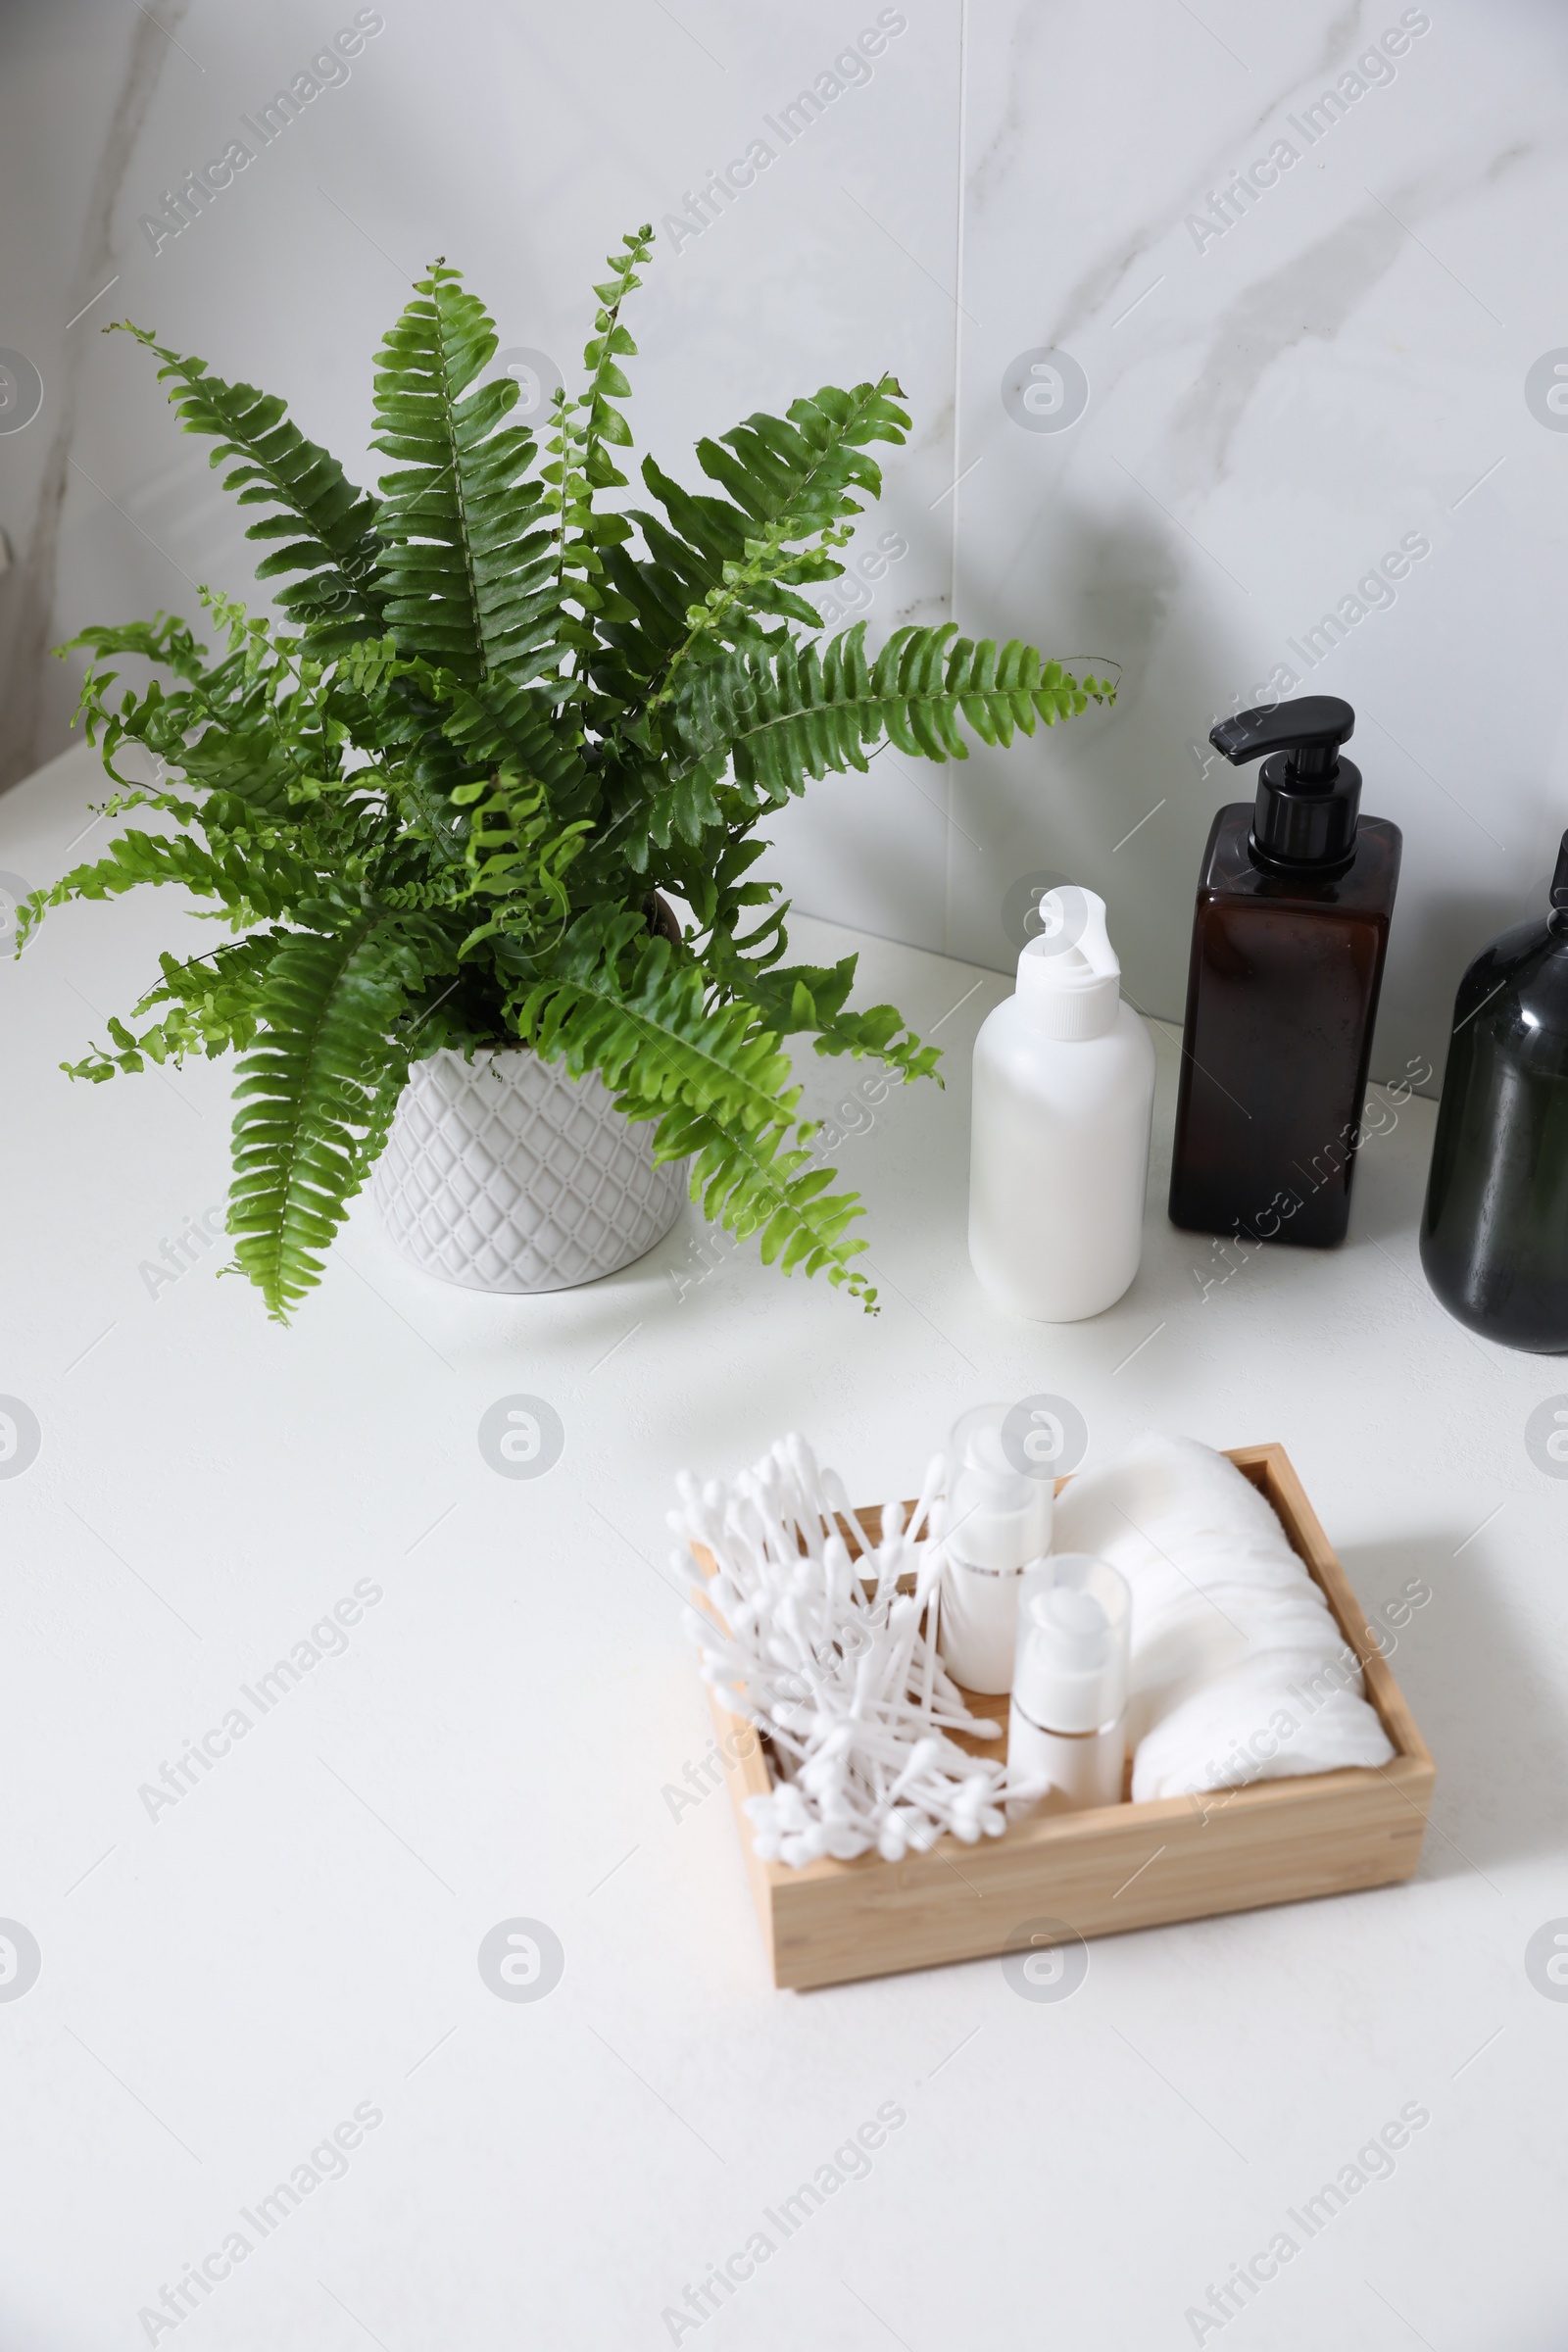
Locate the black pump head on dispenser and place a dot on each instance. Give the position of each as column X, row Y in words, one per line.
column 1560, row 882
column 1307, row 797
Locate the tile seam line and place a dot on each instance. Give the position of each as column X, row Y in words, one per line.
column 959, row 224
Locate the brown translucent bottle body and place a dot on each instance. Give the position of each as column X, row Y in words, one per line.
column 1281, row 993
column 1289, row 938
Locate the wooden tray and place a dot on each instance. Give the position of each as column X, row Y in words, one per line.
column 1120, row 1866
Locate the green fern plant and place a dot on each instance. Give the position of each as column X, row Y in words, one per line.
column 503, row 712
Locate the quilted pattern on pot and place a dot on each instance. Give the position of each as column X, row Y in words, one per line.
column 505, row 1174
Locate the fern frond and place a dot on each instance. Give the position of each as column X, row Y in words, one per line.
column 328, row 524
column 215, row 1000
column 517, row 859
column 748, row 1182
column 387, row 1087
column 584, row 428
column 784, row 715
column 164, row 639
column 252, row 888
column 788, row 481
column 463, row 564
column 256, row 728
column 498, row 722
column 456, row 736
column 804, row 996
column 603, row 426
column 309, row 1095
column 651, row 1037
column 716, row 1080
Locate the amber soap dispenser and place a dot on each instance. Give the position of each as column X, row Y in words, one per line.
column 1289, row 940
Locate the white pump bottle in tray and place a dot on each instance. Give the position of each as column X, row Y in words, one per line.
column 1064, row 1096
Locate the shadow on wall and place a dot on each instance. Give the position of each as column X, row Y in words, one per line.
column 1122, row 803
column 1117, row 801
column 1122, row 582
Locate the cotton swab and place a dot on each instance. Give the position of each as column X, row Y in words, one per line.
column 845, row 1683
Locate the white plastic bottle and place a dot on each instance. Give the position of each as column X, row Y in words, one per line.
column 1067, row 1725
column 1064, row 1097
column 997, row 1524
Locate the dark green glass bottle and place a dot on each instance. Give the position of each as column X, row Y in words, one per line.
column 1495, row 1235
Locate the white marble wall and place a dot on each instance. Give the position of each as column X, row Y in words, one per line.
column 1275, row 399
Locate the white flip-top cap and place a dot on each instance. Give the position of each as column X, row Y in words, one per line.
column 1070, row 978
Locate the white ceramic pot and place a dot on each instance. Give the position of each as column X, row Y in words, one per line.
column 505, row 1174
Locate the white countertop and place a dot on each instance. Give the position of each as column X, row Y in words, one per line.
column 226, row 1981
